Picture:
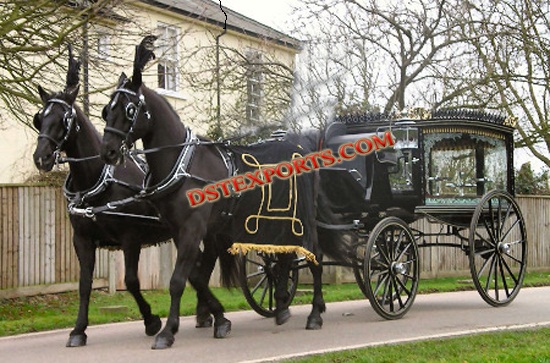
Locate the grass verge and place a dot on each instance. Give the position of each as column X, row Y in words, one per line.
column 529, row 346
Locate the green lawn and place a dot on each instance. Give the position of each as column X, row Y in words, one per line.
column 48, row 312
column 530, row 346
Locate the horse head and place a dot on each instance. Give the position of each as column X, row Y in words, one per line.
column 56, row 120
column 126, row 115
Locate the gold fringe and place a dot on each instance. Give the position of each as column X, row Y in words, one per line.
column 243, row 248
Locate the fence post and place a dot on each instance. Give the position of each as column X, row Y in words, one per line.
column 112, row 272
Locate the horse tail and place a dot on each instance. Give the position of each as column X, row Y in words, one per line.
column 334, row 242
column 229, row 269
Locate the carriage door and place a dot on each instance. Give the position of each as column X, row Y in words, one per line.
column 404, row 174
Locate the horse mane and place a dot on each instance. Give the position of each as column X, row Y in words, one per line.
column 148, row 93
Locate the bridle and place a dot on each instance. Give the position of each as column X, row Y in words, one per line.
column 68, row 120
column 132, row 111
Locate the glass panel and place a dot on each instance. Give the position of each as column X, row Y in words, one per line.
column 461, row 167
column 453, row 173
column 401, row 175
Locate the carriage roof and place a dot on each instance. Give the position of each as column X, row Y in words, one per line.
column 370, row 121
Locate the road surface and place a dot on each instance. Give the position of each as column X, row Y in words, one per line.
column 256, row 339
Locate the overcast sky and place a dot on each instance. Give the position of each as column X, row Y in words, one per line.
column 275, row 13
column 269, row 12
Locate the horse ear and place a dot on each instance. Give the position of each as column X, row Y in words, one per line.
column 44, row 96
column 121, row 79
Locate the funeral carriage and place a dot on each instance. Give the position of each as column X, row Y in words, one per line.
column 450, row 167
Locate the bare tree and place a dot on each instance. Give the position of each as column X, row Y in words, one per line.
column 34, row 34
column 241, row 74
column 511, row 39
column 389, row 55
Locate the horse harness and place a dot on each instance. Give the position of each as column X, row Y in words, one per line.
column 69, row 118
column 177, row 175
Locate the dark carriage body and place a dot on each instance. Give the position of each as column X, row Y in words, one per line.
column 441, row 165
column 453, row 167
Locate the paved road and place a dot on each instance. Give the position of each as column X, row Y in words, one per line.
column 256, row 339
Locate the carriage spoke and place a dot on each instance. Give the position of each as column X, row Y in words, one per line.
column 503, row 237
column 260, row 283
column 512, row 275
column 488, row 282
column 514, row 258
column 380, row 282
column 403, row 286
column 407, row 248
column 504, row 284
column 492, row 238
column 397, row 292
column 483, row 266
column 496, row 281
column 484, row 239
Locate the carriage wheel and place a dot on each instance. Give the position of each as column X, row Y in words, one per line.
column 391, row 268
column 358, row 269
column 258, row 283
column 497, row 248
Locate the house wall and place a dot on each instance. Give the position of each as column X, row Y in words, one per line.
column 18, row 141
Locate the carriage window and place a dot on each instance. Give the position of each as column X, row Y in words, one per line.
column 167, row 55
column 402, row 173
column 462, row 167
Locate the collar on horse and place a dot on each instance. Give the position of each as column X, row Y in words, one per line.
column 79, row 198
column 179, row 171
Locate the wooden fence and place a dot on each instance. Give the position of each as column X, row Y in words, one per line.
column 37, row 256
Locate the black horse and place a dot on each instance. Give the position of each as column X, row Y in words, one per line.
column 91, row 185
column 180, row 162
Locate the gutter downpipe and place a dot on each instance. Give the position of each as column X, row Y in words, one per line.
column 218, row 84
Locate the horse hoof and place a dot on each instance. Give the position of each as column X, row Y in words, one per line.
column 152, row 325
column 282, row 317
column 163, row 341
column 222, row 329
column 314, row 323
column 204, row 321
column 77, row 340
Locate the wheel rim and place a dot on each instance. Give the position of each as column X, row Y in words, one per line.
column 497, row 248
column 391, row 268
column 257, row 282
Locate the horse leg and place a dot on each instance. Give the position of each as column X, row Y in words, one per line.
column 131, row 260
column 85, row 251
column 281, row 275
column 199, row 280
column 204, row 267
column 187, row 244
column 314, row 320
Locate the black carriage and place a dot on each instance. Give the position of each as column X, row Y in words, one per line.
column 451, row 167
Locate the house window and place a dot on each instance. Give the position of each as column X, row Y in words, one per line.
column 254, row 86
column 104, row 46
column 167, row 57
